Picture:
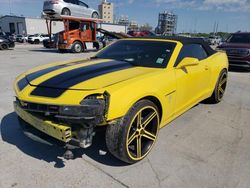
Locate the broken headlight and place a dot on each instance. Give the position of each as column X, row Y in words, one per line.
column 89, row 108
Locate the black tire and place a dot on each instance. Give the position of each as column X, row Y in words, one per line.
column 220, row 89
column 95, row 15
column 122, row 137
column 66, row 11
column 77, row 47
column 36, row 41
column 4, row 46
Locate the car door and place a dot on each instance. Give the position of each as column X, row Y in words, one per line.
column 73, row 7
column 86, row 32
column 192, row 81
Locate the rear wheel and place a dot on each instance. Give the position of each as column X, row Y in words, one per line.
column 132, row 138
column 77, row 47
column 95, row 15
column 66, row 11
column 220, row 89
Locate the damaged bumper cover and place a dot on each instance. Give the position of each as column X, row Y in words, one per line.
column 73, row 124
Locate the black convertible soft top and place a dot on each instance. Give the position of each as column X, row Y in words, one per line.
column 185, row 41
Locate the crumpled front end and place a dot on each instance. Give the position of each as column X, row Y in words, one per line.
column 66, row 123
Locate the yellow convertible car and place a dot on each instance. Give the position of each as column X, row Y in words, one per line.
column 134, row 87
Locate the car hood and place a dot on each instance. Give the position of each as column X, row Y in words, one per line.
column 85, row 75
column 234, row 45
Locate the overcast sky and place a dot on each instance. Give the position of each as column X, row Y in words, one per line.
column 193, row 15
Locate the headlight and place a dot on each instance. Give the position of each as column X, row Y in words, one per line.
column 90, row 107
column 1, row 40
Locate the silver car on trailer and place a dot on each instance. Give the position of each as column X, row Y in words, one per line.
column 69, row 7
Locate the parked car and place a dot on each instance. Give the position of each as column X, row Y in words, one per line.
column 47, row 43
column 134, row 87
column 8, row 35
column 6, row 43
column 141, row 33
column 69, row 7
column 237, row 47
column 214, row 40
column 20, row 38
column 37, row 38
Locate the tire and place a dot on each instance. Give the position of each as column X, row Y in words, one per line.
column 36, row 41
column 4, row 46
column 219, row 90
column 77, row 47
column 66, row 11
column 131, row 141
column 95, row 15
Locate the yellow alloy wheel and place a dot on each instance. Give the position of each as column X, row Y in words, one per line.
column 132, row 138
column 219, row 90
column 142, row 133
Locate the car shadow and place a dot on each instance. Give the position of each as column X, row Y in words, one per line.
column 239, row 70
column 12, row 133
column 55, row 50
column 47, row 50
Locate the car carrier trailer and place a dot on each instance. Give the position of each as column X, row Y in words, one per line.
column 79, row 31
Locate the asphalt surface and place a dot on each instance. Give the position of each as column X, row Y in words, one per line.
column 208, row 146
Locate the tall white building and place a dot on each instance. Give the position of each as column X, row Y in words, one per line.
column 106, row 11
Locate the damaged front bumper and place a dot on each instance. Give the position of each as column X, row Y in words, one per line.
column 73, row 125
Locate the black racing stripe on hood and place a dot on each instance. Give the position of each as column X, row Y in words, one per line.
column 22, row 83
column 32, row 76
column 56, row 86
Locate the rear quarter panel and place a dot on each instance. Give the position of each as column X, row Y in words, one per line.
column 217, row 63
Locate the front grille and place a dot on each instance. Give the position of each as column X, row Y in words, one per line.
column 238, row 52
column 40, row 108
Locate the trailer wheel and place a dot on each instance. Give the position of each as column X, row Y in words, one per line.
column 77, row 47
column 66, row 11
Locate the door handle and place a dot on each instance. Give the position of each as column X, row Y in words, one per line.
column 206, row 67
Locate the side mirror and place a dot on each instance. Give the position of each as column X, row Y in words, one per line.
column 188, row 61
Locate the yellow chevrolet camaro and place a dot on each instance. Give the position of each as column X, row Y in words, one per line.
column 134, row 87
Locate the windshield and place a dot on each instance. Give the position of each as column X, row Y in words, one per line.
column 239, row 38
column 155, row 54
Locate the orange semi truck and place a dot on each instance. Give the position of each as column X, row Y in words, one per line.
column 79, row 31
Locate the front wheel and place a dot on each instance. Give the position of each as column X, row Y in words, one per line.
column 4, row 46
column 131, row 138
column 77, row 47
column 220, row 89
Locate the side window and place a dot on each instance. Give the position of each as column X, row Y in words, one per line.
column 82, row 4
column 192, row 50
column 69, row 1
column 85, row 26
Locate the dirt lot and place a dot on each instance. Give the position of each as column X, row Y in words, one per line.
column 206, row 147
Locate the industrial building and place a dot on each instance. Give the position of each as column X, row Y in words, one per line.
column 30, row 26
column 167, row 23
column 106, row 11
column 27, row 26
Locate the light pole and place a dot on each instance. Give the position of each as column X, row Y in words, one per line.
column 10, row 6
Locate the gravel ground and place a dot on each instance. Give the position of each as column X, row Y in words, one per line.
column 208, row 146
